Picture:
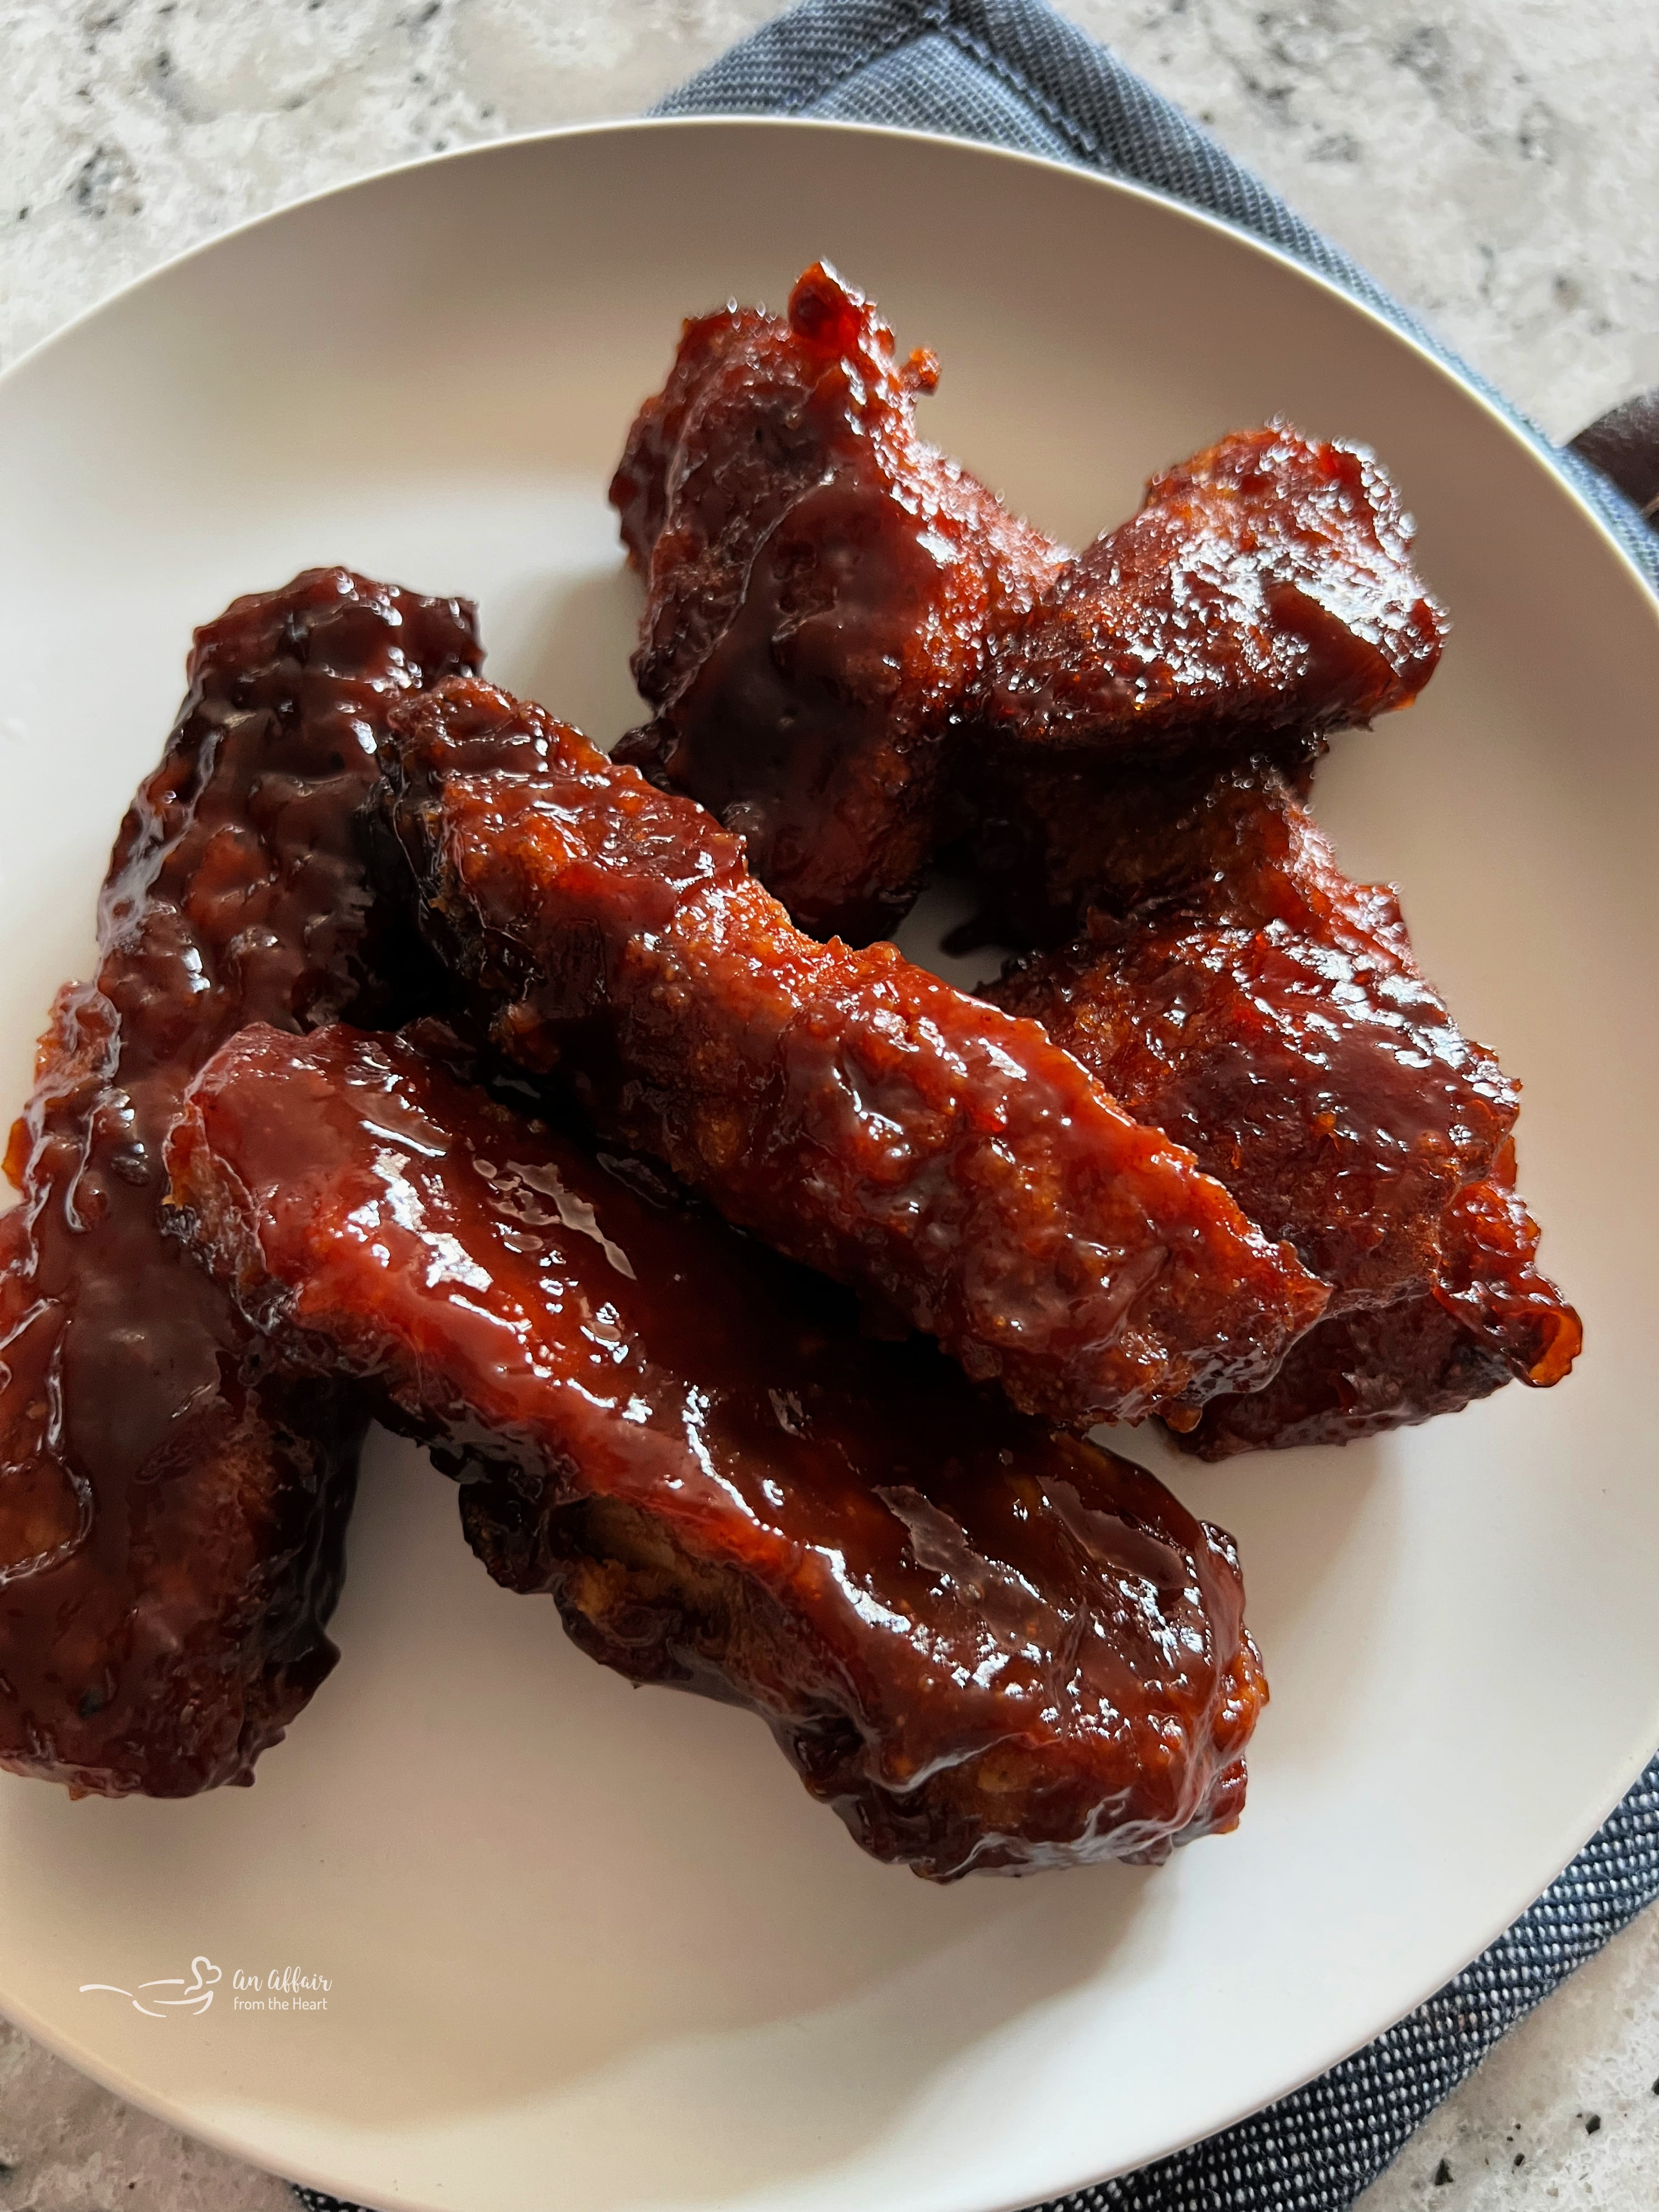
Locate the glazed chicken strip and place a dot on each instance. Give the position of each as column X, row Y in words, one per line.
column 1263, row 596
column 1056, row 836
column 823, row 585
column 1271, row 1016
column 831, row 602
column 1489, row 1317
column 950, row 1164
column 1265, row 589
column 1273, row 1020
column 986, row 1644
column 171, row 1506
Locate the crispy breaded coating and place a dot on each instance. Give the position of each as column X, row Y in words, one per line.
column 1265, row 589
column 1268, row 1012
column 172, row 1506
column 1490, row 1318
column 1263, row 596
column 987, row 1644
column 1054, row 836
column 1273, row 1019
column 948, row 1163
column 822, row 586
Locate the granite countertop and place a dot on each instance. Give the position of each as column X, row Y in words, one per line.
column 1494, row 161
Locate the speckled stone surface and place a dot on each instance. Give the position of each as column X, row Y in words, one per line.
column 1495, row 161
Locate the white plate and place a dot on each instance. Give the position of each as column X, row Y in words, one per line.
column 592, row 1949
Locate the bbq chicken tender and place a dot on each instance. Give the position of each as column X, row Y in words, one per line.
column 822, row 586
column 1263, row 596
column 172, row 1504
column 986, row 1644
column 947, row 1162
column 1265, row 589
column 1489, row 1317
column 1057, row 837
column 1271, row 1016
column 1273, row 1020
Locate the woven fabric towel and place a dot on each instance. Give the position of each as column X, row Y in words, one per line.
column 1014, row 73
